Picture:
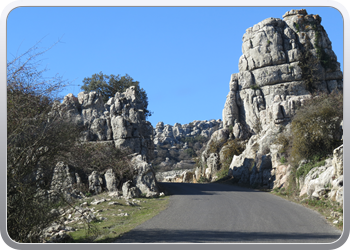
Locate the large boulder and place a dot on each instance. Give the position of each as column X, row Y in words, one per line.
column 95, row 183
column 144, row 178
column 111, row 181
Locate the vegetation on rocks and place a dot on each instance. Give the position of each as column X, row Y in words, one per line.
column 107, row 86
column 316, row 127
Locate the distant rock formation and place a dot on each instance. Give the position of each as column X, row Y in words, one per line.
column 176, row 146
column 167, row 134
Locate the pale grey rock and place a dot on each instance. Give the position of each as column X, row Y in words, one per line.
column 338, row 161
column 95, row 183
column 120, row 120
column 129, row 191
column 144, row 178
column 212, row 165
column 111, row 181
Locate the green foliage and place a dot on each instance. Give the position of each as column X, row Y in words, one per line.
column 315, row 127
column 190, row 152
column 296, row 25
column 323, row 57
column 192, row 140
column 284, row 140
column 107, row 86
column 305, row 169
column 255, row 87
column 232, row 147
column 283, row 160
column 202, row 179
column 215, row 146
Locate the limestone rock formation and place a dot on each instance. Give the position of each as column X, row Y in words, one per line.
column 111, row 182
column 167, row 134
column 173, row 144
column 270, row 84
column 269, row 87
column 181, row 175
column 326, row 180
column 120, row 120
column 144, row 178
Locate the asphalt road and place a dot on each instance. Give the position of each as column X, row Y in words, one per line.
column 219, row 213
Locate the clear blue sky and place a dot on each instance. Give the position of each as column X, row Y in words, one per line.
column 182, row 56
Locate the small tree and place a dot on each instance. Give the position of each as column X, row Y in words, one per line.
column 107, row 86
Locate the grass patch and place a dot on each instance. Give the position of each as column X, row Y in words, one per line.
column 305, row 169
column 107, row 231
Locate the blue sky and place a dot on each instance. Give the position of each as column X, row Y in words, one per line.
column 182, row 56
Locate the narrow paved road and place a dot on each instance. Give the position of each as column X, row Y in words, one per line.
column 221, row 213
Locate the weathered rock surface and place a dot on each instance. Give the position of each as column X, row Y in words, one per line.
column 179, row 176
column 167, row 134
column 174, row 139
column 120, row 120
column 325, row 181
column 266, row 92
column 144, row 178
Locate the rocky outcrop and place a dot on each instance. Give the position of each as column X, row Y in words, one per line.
column 175, row 146
column 325, row 181
column 179, row 176
column 144, row 179
column 167, row 134
column 65, row 182
column 270, row 84
column 269, row 87
column 120, row 123
column 120, row 120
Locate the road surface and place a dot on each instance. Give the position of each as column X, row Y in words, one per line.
column 218, row 213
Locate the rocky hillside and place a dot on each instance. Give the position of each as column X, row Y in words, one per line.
column 176, row 146
column 119, row 123
column 284, row 62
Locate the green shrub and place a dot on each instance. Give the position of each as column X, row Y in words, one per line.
column 232, row 147
column 315, row 127
column 255, row 87
column 283, row 160
column 305, row 169
column 202, row 179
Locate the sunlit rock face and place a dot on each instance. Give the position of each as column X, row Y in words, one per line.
column 272, row 82
column 121, row 120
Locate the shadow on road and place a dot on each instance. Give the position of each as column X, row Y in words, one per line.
column 200, row 236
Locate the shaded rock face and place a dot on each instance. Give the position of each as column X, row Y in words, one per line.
column 120, row 120
column 269, row 87
column 64, row 181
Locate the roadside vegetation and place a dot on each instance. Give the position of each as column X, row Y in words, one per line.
column 39, row 135
column 115, row 220
column 315, row 132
